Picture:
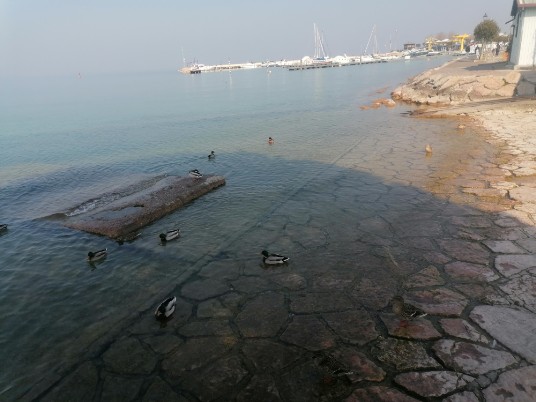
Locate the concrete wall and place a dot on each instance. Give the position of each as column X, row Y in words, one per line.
column 523, row 53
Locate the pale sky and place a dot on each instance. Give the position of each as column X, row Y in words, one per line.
column 61, row 37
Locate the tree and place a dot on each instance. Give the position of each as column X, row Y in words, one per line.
column 486, row 31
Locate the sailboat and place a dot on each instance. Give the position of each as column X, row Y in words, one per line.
column 320, row 52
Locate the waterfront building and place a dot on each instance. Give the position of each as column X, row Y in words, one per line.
column 523, row 50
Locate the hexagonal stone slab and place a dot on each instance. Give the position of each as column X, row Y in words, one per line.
column 438, row 301
column 159, row 391
column 263, row 316
column 120, row 389
column 503, row 246
column 354, row 326
column 128, row 356
column 461, row 329
column 404, row 355
column 251, row 284
column 260, row 388
column 466, row 271
column 465, row 251
column 470, row 358
column 433, row 383
column 471, row 222
column 515, row 385
column 204, row 289
column 215, row 380
column 413, row 227
column 358, row 366
column 213, row 308
column 269, row 356
column 163, row 343
column 333, row 280
column 78, row 386
column 308, row 332
column 372, row 293
column 511, row 264
column 302, row 383
column 513, row 328
column 522, row 290
column 524, row 194
column 416, row 329
column 206, row 328
column 528, row 244
column 319, row 302
column 193, row 354
column 290, row 281
column 379, row 394
column 223, row 269
column 462, row 397
column 429, row 276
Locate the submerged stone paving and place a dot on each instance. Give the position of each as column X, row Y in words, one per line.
column 321, row 327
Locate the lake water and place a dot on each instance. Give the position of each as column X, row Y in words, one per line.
column 67, row 140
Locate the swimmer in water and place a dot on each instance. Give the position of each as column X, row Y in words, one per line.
column 270, row 140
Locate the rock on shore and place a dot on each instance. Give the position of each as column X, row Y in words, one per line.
column 464, row 80
column 120, row 218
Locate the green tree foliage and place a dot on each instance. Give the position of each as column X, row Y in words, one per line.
column 486, row 31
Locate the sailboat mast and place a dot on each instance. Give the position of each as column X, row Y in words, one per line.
column 370, row 37
column 320, row 51
column 316, row 53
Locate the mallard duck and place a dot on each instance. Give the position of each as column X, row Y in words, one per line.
column 170, row 235
column 404, row 310
column 195, row 174
column 273, row 259
column 428, row 149
column 212, row 155
column 166, row 308
column 97, row 255
column 3, row 227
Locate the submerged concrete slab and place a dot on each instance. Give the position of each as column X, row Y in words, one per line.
column 125, row 215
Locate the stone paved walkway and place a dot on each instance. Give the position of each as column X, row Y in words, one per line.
column 459, row 245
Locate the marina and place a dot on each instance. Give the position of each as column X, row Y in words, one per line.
column 320, row 58
column 308, row 63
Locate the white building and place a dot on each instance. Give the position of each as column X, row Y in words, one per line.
column 523, row 52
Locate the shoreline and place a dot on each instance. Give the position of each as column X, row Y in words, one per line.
column 507, row 121
column 508, row 125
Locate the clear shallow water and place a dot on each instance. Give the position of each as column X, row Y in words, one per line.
column 64, row 141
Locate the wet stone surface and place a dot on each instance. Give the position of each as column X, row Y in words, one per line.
column 515, row 328
column 309, row 333
column 471, row 358
column 321, row 328
column 433, row 383
column 404, row 355
column 128, row 356
column 356, row 326
column 414, row 329
column 518, row 385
